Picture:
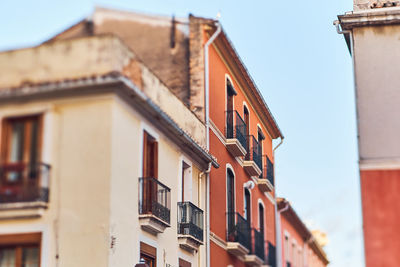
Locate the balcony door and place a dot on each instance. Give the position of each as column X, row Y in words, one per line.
column 247, row 131
column 261, row 218
column 230, row 92
column 150, row 156
column 20, row 156
column 150, row 170
column 247, row 206
column 230, row 200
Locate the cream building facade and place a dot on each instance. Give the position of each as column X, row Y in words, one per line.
column 101, row 165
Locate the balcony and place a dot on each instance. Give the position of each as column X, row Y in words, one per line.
column 154, row 205
column 266, row 180
column 238, row 235
column 252, row 163
column 24, row 190
column 257, row 252
column 235, row 133
column 190, row 226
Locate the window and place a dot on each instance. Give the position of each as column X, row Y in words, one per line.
column 148, row 254
column 230, row 92
column 150, row 156
column 261, row 217
column 183, row 263
column 20, row 158
column 186, row 182
column 246, row 120
column 247, row 205
column 294, row 256
column 287, row 255
column 230, row 199
column 21, row 250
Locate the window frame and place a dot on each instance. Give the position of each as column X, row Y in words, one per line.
column 19, row 241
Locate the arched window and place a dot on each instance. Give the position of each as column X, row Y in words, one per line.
column 230, row 199
column 230, row 92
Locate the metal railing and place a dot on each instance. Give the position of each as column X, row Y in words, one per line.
column 190, row 220
column 258, row 244
column 235, row 127
column 24, row 182
column 268, row 171
column 154, row 198
column 253, row 151
column 238, row 230
column 271, row 261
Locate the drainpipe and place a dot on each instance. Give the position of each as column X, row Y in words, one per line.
column 277, row 217
column 278, row 233
column 207, row 119
column 207, row 213
column 207, row 82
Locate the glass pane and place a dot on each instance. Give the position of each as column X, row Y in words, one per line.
column 34, row 141
column 30, row 257
column 17, row 141
column 7, row 257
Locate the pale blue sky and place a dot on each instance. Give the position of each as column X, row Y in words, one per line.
column 304, row 71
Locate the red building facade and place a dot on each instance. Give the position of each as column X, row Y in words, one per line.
column 298, row 247
column 242, row 195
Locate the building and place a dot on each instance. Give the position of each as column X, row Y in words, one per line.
column 194, row 57
column 176, row 98
column 371, row 32
column 298, row 246
column 101, row 165
column 242, row 190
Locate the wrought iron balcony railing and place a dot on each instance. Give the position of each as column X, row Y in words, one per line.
column 253, row 151
column 24, row 182
column 238, row 230
column 235, row 127
column 190, row 220
column 268, row 171
column 154, row 199
column 258, row 244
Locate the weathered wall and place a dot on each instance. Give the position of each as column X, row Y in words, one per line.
column 380, row 206
column 59, row 61
column 377, row 65
column 75, row 225
column 91, row 57
column 163, row 47
column 369, row 4
column 127, row 136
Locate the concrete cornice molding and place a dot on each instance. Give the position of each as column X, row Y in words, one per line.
column 378, row 17
column 379, row 164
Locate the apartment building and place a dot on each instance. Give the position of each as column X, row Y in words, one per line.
column 371, row 32
column 195, row 59
column 101, row 165
column 298, row 246
column 242, row 189
column 210, row 98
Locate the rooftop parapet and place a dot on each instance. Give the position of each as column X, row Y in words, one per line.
column 89, row 57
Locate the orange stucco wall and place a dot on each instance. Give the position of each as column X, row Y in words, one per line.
column 218, row 190
column 380, row 192
column 307, row 258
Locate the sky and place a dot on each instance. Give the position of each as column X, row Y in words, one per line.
column 304, row 71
